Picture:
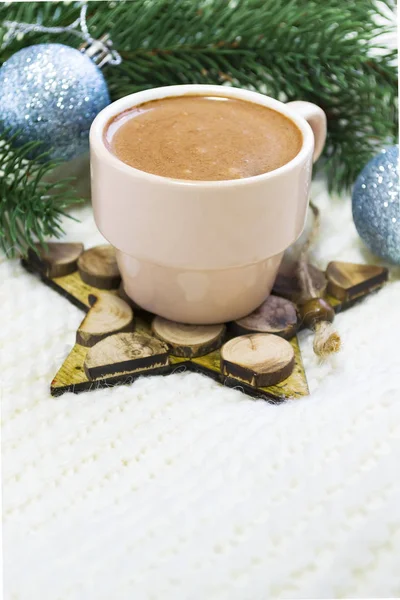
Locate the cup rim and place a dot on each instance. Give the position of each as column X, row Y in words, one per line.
column 100, row 122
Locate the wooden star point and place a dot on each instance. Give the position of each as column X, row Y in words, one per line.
column 117, row 350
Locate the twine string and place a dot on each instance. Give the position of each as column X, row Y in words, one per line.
column 327, row 340
column 306, row 282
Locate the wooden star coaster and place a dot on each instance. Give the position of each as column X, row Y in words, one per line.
column 118, row 342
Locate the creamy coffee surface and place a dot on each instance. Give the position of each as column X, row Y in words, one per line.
column 207, row 138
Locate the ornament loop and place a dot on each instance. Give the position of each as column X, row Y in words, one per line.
column 101, row 50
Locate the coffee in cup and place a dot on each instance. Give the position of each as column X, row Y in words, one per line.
column 203, row 138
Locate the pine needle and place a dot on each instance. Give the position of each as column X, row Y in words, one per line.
column 31, row 207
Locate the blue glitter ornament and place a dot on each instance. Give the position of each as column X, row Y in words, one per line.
column 51, row 93
column 376, row 205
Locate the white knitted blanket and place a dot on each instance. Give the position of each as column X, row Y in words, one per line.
column 178, row 488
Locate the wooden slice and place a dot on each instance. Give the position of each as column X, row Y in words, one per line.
column 287, row 282
column 260, row 359
column 188, row 340
column 124, row 352
column 57, row 260
column 347, row 281
column 275, row 315
column 98, row 267
column 314, row 311
column 108, row 314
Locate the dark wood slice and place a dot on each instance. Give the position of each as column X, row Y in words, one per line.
column 124, row 352
column 347, row 281
column 315, row 311
column 57, row 260
column 260, row 359
column 108, row 314
column 98, row 267
column 287, row 282
column 276, row 315
column 188, row 340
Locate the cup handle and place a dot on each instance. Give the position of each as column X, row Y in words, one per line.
column 316, row 118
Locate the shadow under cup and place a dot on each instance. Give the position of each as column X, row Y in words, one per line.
column 193, row 251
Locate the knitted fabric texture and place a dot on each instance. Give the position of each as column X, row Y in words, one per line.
column 178, row 488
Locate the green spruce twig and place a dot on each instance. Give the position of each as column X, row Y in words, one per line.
column 31, row 206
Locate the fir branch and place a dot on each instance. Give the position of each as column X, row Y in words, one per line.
column 31, row 205
column 299, row 49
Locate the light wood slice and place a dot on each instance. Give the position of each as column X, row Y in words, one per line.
column 260, row 359
column 287, row 282
column 188, row 341
column 108, row 314
column 57, row 260
column 124, row 352
column 347, row 281
column 98, row 267
column 275, row 315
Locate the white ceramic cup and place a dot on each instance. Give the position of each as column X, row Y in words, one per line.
column 202, row 251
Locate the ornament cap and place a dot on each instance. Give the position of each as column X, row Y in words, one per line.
column 100, row 51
